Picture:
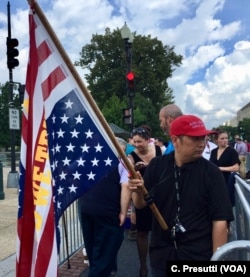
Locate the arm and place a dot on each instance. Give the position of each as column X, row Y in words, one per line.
column 136, row 187
column 219, row 234
column 124, row 202
column 232, row 168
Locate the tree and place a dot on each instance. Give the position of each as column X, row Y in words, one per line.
column 152, row 64
column 244, row 129
column 4, row 116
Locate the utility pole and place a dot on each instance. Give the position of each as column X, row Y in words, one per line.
column 12, row 62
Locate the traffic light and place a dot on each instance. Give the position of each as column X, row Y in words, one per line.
column 131, row 83
column 21, row 90
column 127, row 116
column 12, row 53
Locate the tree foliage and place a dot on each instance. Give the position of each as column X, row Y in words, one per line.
column 152, row 63
column 4, row 116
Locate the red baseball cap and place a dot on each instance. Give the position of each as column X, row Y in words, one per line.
column 189, row 125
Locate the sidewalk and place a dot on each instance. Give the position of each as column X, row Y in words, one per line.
column 8, row 219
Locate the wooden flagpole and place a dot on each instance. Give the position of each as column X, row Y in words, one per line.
column 34, row 6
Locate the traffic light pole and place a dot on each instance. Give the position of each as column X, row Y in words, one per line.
column 128, row 49
column 12, row 180
column 128, row 38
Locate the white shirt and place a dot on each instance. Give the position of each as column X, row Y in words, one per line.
column 208, row 148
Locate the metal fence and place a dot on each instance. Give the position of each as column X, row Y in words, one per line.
column 71, row 233
column 5, row 158
column 239, row 248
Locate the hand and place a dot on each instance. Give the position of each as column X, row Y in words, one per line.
column 136, row 184
column 122, row 218
column 139, row 165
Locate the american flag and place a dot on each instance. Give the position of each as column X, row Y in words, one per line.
column 64, row 152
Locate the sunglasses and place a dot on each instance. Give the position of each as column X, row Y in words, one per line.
column 139, row 131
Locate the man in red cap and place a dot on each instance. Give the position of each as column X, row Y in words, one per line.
column 191, row 195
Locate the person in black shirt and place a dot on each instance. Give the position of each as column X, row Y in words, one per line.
column 144, row 151
column 102, row 213
column 227, row 160
column 191, row 195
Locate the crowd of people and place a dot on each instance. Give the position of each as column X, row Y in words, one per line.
column 189, row 178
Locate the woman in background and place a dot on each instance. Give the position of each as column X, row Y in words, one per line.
column 144, row 152
column 226, row 158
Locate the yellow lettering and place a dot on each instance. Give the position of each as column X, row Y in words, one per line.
column 41, row 154
column 40, row 195
column 40, row 176
column 38, row 220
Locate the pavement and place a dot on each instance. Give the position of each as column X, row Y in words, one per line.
column 128, row 262
column 8, row 220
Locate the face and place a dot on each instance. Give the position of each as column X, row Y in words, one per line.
column 189, row 148
column 164, row 122
column 140, row 143
column 130, row 141
column 222, row 140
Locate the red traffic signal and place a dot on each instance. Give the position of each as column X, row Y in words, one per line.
column 131, row 83
column 130, row 76
column 12, row 52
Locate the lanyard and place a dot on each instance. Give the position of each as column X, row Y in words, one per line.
column 178, row 227
column 176, row 175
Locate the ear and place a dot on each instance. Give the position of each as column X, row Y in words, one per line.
column 174, row 140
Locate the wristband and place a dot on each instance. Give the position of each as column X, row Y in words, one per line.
column 148, row 199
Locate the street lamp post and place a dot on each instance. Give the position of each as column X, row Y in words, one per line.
column 128, row 38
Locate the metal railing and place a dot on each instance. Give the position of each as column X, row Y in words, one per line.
column 5, row 158
column 234, row 250
column 239, row 248
column 71, row 233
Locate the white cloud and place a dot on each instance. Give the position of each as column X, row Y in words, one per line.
column 213, row 81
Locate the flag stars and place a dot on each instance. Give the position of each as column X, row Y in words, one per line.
column 59, row 205
column 91, row 176
column 53, row 119
column 64, row 118
column 70, row 147
column 66, row 161
column 53, row 166
column 76, row 175
column 53, row 150
column 60, row 133
column 63, row 176
column 79, row 119
column 98, row 148
column 72, row 188
column 95, row 162
column 85, row 148
column 80, row 162
column 107, row 161
column 74, row 134
column 60, row 190
column 68, row 104
column 56, row 163
column 89, row 134
column 57, row 148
